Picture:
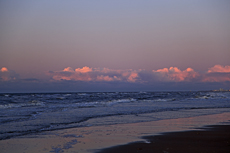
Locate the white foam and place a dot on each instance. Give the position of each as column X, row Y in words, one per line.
column 31, row 103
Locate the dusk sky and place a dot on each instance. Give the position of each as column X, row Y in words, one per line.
column 119, row 45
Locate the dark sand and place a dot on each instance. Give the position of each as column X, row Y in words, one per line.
column 210, row 139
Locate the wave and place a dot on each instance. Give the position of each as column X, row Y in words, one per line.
column 29, row 104
column 103, row 103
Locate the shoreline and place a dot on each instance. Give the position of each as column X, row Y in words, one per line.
column 95, row 138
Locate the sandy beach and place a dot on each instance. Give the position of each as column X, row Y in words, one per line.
column 139, row 136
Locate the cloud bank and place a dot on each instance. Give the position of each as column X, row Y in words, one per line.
column 87, row 79
column 216, row 73
column 94, row 74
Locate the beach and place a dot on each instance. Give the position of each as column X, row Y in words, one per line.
column 210, row 139
column 138, row 137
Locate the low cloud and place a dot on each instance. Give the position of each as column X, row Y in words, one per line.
column 7, row 75
column 68, row 69
column 175, row 74
column 95, row 74
column 219, row 68
column 105, row 79
column 83, row 70
column 217, row 73
column 4, row 69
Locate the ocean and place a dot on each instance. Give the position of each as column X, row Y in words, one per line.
column 26, row 114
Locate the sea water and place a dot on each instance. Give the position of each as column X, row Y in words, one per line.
column 25, row 114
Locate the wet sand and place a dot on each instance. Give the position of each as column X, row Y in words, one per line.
column 140, row 137
column 211, row 139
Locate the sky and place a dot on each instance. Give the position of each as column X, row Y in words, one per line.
column 122, row 45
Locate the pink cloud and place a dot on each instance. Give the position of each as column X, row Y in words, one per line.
column 95, row 74
column 133, row 77
column 174, row 69
column 175, row 74
column 66, row 75
column 219, row 68
column 217, row 73
column 68, row 69
column 7, row 75
column 79, row 74
column 4, row 75
column 83, row 70
column 4, row 69
column 164, row 70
